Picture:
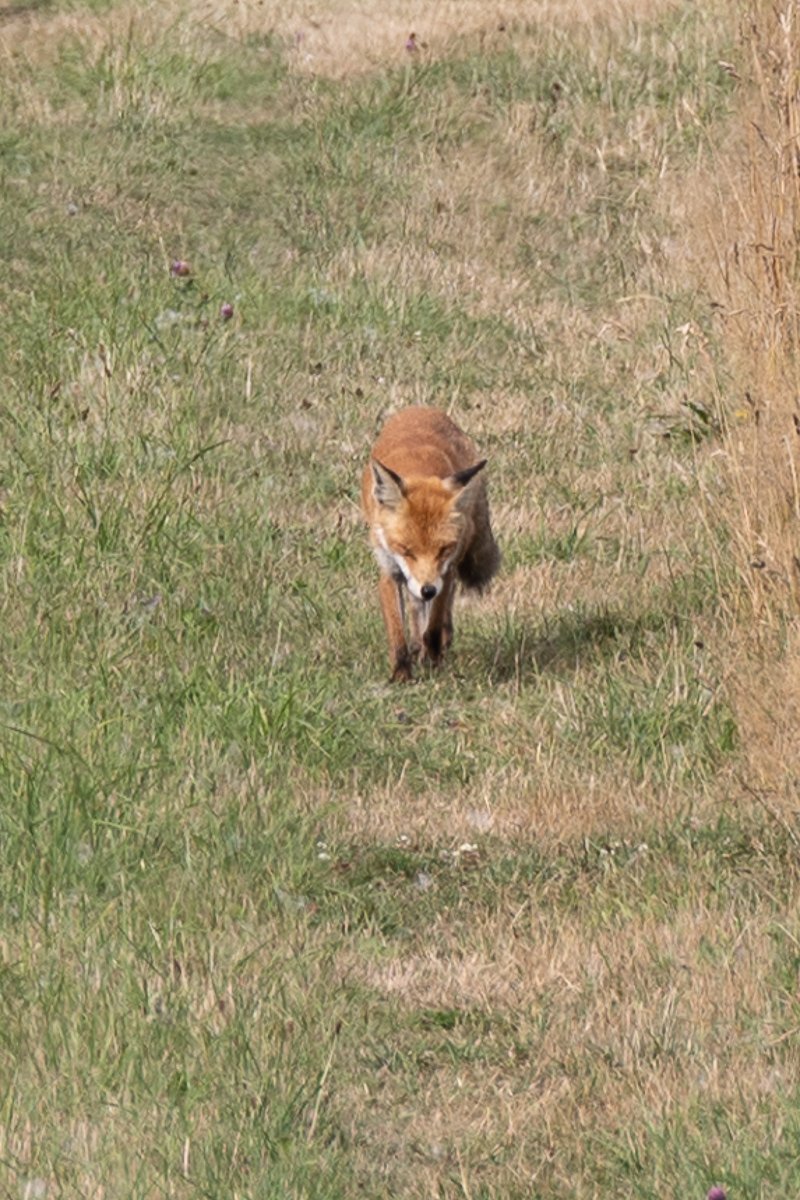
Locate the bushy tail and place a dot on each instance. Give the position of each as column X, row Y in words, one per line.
column 482, row 561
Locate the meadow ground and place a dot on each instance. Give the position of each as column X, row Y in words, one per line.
column 270, row 927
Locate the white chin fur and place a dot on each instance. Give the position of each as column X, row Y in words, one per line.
column 391, row 563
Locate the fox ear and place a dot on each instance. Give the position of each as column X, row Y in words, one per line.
column 461, row 478
column 389, row 488
column 459, row 483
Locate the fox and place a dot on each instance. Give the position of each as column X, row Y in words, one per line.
column 425, row 501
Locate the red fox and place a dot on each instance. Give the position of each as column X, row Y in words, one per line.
column 425, row 501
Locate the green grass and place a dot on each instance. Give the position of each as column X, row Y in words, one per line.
column 271, row 927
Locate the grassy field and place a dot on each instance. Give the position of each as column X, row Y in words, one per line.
column 269, row 926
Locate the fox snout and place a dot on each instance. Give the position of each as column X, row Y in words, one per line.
column 426, row 591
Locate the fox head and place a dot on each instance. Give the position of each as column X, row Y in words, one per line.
column 422, row 526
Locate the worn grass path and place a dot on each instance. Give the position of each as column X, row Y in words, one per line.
column 268, row 926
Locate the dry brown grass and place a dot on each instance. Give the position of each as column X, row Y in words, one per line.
column 652, row 1019
column 336, row 39
column 342, row 38
column 742, row 213
column 741, row 216
column 530, row 809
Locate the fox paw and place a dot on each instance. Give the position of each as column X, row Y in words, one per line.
column 402, row 667
column 435, row 644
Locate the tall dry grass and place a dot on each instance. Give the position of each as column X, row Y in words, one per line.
column 754, row 239
column 757, row 253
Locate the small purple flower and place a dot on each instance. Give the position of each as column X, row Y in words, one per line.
column 411, row 43
column 716, row 1193
column 226, row 311
column 179, row 268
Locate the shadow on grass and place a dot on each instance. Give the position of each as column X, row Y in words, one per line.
column 25, row 9
column 564, row 643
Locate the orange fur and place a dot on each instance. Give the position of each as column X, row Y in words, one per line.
column 425, row 501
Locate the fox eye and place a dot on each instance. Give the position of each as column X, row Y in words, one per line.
column 406, row 552
column 446, row 551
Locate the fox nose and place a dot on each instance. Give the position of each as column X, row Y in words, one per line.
column 427, row 591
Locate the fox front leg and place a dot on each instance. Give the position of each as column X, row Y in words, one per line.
column 417, row 620
column 390, row 593
column 439, row 632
